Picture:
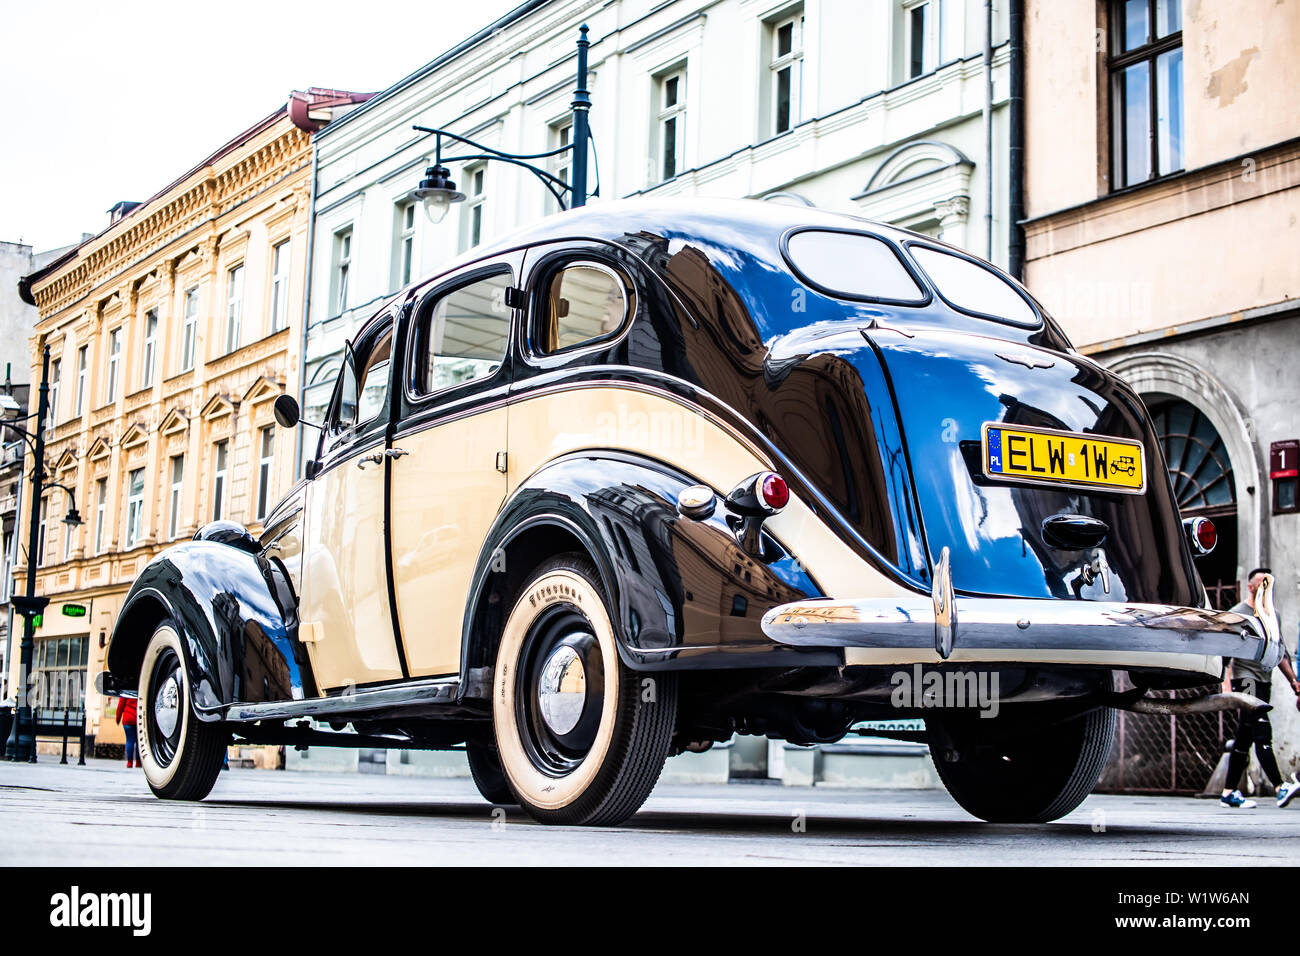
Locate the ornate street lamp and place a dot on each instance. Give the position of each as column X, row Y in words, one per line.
column 437, row 191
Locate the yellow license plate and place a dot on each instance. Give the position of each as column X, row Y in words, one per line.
column 1045, row 456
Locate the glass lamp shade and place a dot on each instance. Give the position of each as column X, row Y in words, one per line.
column 437, row 201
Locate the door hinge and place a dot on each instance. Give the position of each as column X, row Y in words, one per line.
column 514, row 298
column 311, row 632
column 501, row 462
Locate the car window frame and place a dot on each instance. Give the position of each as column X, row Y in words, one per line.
column 416, row 399
column 333, row 445
column 540, row 277
column 987, row 267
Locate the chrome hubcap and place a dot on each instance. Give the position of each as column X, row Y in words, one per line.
column 167, row 705
column 562, row 690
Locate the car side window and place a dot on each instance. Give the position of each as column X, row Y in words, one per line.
column 363, row 387
column 464, row 335
column 583, row 302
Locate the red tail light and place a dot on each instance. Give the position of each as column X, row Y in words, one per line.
column 1201, row 535
column 775, row 492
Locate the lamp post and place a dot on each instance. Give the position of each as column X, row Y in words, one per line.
column 22, row 738
column 437, row 191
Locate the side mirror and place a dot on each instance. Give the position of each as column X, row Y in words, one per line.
column 287, row 413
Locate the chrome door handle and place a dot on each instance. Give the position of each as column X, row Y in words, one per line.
column 376, row 459
column 396, row 453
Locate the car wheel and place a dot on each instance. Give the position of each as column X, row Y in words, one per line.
column 485, row 768
column 582, row 738
column 181, row 755
column 1020, row 768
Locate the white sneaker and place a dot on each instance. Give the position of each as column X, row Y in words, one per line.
column 1235, row 801
column 1288, row 790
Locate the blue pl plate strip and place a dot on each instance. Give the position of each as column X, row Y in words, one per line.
column 995, row 450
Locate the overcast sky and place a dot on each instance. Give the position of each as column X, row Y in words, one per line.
column 114, row 99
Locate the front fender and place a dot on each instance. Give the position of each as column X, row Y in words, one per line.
column 240, row 640
column 683, row 594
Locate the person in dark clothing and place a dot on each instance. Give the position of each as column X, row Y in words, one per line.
column 126, row 709
column 1254, row 729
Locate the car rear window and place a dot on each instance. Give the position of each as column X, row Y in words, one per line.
column 851, row 265
column 968, row 286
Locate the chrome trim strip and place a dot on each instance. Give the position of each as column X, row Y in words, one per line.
column 436, row 691
column 1011, row 624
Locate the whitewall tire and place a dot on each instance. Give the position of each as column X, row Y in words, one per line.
column 181, row 755
column 581, row 737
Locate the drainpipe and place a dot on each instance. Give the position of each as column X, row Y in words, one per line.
column 306, row 303
column 1016, row 134
column 988, row 130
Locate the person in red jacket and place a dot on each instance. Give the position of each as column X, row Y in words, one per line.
column 126, row 717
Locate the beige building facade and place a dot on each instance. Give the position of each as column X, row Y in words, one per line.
column 1162, row 181
column 169, row 334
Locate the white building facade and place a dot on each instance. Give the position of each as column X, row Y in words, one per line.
column 875, row 108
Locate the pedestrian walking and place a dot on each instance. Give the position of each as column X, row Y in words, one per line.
column 1254, row 728
column 126, row 708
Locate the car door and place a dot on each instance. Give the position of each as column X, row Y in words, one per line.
column 448, row 468
column 346, row 617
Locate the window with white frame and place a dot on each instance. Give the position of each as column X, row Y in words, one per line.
column 175, row 498
column 7, row 585
column 150, row 347
column 265, row 470
column 561, row 135
column 785, row 69
column 234, row 306
column 472, row 215
column 189, row 328
column 69, row 531
column 342, row 271
column 219, row 455
column 670, row 121
column 56, row 373
column 403, row 243
column 279, row 286
column 41, row 531
column 114, row 360
column 101, row 512
column 83, row 359
column 134, row 507
column 922, row 27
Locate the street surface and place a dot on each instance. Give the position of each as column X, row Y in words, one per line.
column 104, row 815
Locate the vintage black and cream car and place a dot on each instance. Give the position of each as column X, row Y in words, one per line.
column 653, row 473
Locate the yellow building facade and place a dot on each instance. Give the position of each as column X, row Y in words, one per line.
column 170, row 335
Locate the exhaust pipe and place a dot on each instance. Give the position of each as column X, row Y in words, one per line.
column 1209, row 704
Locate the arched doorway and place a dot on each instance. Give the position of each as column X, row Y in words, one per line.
column 1201, row 472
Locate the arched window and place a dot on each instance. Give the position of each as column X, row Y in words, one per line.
column 1198, row 462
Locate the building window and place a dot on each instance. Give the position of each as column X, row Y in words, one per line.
column 114, row 359
column 150, row 347
column 56, row 373
column 265, row 471
column 1146, row 83
column 561, row 135
column 472, row 217
column 219, row 480
column 83, row 358
column 922, row 28
column 785, row 70
column 40, row 531
column 279, row 286
column 189, row 328
column 234, row 306
column 7, row 585
column 60, row 676
column 670, row 120
column 101, row 512
column 134, row 507
column 174, row 504
column 68, row 532
column 342, row 269
column 403, row 244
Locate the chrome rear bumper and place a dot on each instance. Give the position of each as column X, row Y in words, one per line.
column 1011, row 630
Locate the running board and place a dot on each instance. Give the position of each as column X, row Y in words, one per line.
column 411, row 698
